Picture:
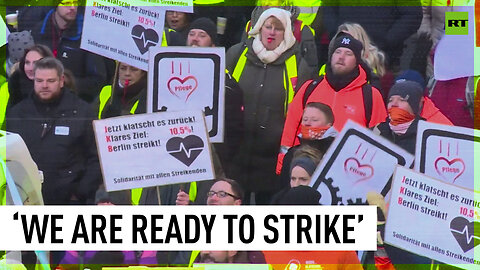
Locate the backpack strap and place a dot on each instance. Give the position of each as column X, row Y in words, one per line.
column 309, row 90
column 368, row 102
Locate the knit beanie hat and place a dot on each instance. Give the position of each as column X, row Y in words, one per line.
column 410, row 91
column 301, row 195
column 18, row 42
column 206, row 25
column 346, row 40
column 306, row 163
column 411, row 75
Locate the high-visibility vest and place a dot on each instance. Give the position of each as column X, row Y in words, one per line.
column 4, row 97
column 289, row 75
column 207, row 2
column 308, row 10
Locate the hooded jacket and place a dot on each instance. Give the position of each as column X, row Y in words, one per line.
column 433, row 114
column 88, row 68
column 264, row 114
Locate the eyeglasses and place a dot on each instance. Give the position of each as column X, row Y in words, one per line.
column 220, row 194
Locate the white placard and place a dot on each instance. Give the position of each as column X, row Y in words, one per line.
column 186, row 78
column 447, row 153
column 357, row 162
column 123, row 33
column 153, row 149
column 3, row 29
column 454, row 54
column 445, row 219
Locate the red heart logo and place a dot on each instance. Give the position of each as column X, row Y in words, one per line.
column 182, row 87
column 359, row 171
column 449, row 170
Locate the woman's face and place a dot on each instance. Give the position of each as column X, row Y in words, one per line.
column 30, row 59
column 271, row 34
column 299, row 177
column 129, row 73
column 400, row 102
column 176, row 20
column 313, row 117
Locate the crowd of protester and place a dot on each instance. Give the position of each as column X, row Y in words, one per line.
column 296, row 73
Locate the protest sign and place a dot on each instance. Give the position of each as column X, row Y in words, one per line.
column 446, row 219
column 153, row 149
column 124, row 32
column 3, row 29
column 457, row 50
column 447, row 153
column 185, row 78
column 358, row 161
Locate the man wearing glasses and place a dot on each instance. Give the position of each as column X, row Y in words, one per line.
column 225, row 192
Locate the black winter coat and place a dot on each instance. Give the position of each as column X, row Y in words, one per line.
column 264, row 103
column 406, row 141
column 60, row 139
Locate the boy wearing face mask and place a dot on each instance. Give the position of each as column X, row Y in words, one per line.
column 405, row 101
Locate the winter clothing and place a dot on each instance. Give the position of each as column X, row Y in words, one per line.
column 304, row 35
column 344, row 95
column 345, row 40
column 266, row 97
column 206, row 25
column 19, row 87
column 301, row 195
column 433, row 114
column 409, row 91
column 88, row 68
column 406, row 141
column 60, row 138
column 322, row 145
column 18, row 42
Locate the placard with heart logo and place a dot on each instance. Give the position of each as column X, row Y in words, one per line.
column 185, row 149
column 144, row 38
column 449, row 170
column 465, row 232
column 358, row 172
column 182, row 88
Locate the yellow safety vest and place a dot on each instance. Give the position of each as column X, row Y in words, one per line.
column 4, row 97
column 289, row 74
column 207, row 2
column 308, row 9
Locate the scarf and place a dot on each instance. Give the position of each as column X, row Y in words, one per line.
column 313, row 133
column 399, row 116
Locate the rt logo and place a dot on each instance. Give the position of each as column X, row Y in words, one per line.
column 456, row 23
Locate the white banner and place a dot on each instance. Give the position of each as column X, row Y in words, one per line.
column 454, row 54
column 3, row 29
column 357, row 162
column 123, row 33
column 188, row 228
column 447, row 153
column 153, row 149
column 434, row 219
column 186, row 78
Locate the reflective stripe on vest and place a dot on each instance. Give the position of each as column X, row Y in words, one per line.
column 289, row 75
column 207, row 2
column 104, row 97
column 4, row 97
column 192, row 192
column 193, row 256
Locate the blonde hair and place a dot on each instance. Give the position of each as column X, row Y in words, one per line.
column 374, row 58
